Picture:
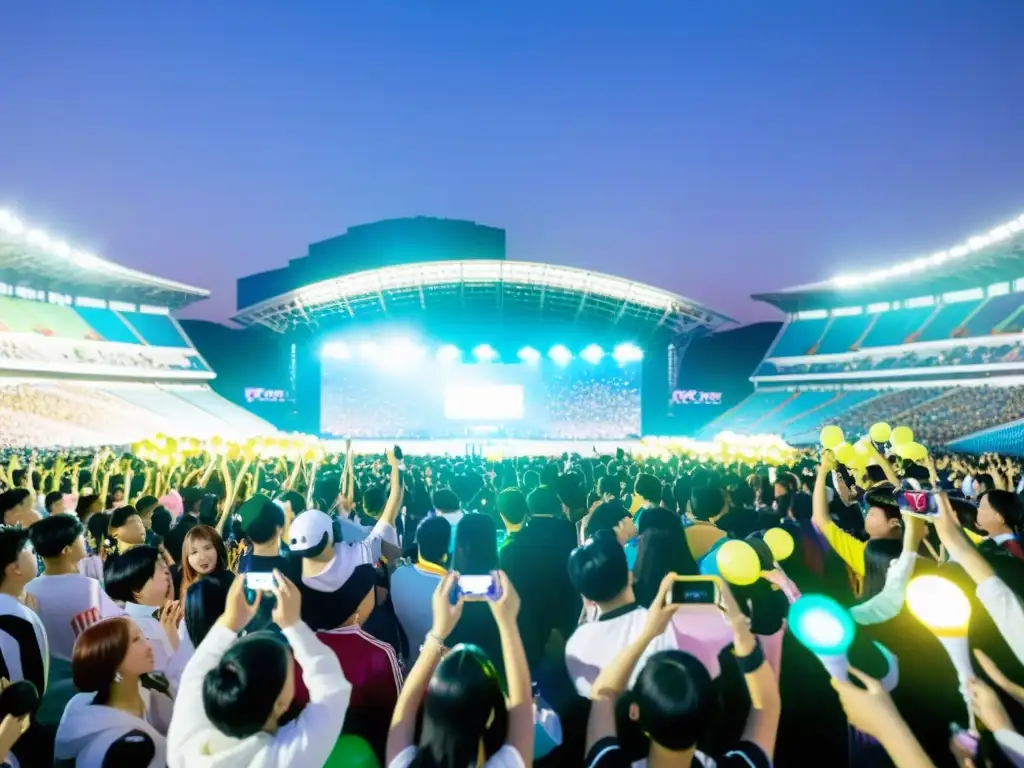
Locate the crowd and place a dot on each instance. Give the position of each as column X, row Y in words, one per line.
column 438, row 611
column 925, row 358
column 27, row 349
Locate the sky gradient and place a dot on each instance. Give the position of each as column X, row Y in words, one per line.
column 711, row 148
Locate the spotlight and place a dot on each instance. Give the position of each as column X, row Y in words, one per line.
column 529, row 355
column 628, row 353
column 337, row 350
column 448, row 353
column 592, row 354
column 560, row 355
column 485, row 353
column 405, row 350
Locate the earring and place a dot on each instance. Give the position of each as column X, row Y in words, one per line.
column 118, row 677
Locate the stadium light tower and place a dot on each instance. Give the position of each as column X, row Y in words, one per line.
column 485, row 353
column 529, row 355
column 448, row 353
column 592, row 354
column 560, row 355
column 627, row 353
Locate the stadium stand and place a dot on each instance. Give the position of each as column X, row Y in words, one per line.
column 90, row 356
column 940, row 350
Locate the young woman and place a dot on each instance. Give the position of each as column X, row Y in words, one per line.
column 202, row 553
column 672, row 704
column 110, row 659
column 140, row 581
column 126, row 528
column 466, row 719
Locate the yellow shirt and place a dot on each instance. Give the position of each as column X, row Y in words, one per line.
column 850, row 549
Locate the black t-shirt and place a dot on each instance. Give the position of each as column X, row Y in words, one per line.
column 606, row 753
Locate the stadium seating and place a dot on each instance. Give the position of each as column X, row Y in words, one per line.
column 109, row 325
column 157, row 330
column 947, row 319
column 69, row 413
column 994, row 316
column 843, row 334
column 23, row 316
column 1007, row 439
column 798, row 338
column 896, row 327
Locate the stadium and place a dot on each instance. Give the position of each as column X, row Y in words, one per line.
column 90, row 353
column 934, row 342
column 421, row 330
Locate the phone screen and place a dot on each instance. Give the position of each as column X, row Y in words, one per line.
column 917, row 503
column 476, row 586
column 702, row 592
column 260, row 581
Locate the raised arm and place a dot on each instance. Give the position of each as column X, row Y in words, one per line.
column 819, row 508
column 517, row 671
column 612, row 680
column 403, row 720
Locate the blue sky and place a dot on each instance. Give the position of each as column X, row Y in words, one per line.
column 712, row 148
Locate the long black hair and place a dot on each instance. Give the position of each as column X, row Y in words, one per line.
column 464, row 704
column 878, row 555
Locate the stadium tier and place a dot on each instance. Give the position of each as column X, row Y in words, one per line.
column 935, row 343
column 90, row 354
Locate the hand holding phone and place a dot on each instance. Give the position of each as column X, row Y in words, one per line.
column 260, row 581
column 468, row 587
column 695, row 590
column 917, row 503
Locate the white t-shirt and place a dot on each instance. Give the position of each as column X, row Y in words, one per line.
column 506, row 757
column 60, row 599
column 593, row 646
column 10, row 646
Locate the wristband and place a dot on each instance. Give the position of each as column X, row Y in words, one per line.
column 752, row 661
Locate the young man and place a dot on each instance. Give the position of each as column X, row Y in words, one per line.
column 16, row 508
column 65, row 598
column 146, row 506
column 535, row 562
column 54, row 503
column 512, row 508
column 413, row 585
column 599, row 572
column 175, row 539
column 23, row 645
column 1001, row 516
column 262, row 522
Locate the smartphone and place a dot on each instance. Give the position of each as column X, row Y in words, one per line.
column 398, row 457
column 476, row 588
column 260, row 581
column 917, row 503
column 695, row 590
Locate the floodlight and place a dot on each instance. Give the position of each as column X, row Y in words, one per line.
column 405, row 350
column 367, row 350
column 560, row 355
column 592, row 354
column 448, row 353
column 627, row 353
column 529, row 355
column 485, row 353
column 337, row 350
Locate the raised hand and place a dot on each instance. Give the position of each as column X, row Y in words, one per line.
column 288, row 610
column 446, row 615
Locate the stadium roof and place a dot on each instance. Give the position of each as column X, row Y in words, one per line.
column 553, row 292
column 982, row 260
column 35, row 259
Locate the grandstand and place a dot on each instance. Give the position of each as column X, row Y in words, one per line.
column 936, row 343
column 90, row 353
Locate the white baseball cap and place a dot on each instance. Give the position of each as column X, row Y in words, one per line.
column 310, row 533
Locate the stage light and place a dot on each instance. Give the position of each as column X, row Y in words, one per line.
column 628, row 353
column 560, row 355
column 448, row 353
column 529, row 355
column 337, row 350
column 405, row 350
column 485, row 353
column 367, row 350
column 592, row 354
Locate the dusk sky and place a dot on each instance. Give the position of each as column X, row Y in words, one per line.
column 711, row 148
